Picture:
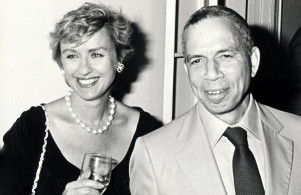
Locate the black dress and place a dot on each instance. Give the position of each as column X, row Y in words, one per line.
column 22, row 149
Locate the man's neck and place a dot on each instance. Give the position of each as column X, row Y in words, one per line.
column 233, row 117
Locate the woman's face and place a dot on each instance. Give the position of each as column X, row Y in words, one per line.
column 90, row 68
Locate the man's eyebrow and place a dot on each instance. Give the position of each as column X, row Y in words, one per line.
column 232, row 49
column 189, row 57
column 228, row 50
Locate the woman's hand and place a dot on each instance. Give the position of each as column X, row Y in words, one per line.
column 83, row 186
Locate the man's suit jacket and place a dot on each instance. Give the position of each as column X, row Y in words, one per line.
column 178, row 159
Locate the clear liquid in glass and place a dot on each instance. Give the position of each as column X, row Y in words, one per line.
column 97, row 167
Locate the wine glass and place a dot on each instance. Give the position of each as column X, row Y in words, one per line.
column 97, row 167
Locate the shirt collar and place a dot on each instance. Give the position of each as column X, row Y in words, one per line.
column 251, row 120
column 215, row 128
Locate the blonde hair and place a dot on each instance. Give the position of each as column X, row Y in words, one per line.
column 77, row 26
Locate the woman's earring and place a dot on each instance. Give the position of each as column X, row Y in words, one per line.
column 63, row 72
column 119, row 67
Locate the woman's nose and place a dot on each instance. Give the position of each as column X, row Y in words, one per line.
column 85, row 67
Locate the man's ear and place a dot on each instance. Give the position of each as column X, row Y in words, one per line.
column 255, row 60
column 185, row 67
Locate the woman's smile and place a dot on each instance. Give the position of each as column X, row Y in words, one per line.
column 85, row 83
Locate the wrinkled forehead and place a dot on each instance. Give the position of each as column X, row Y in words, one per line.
column 214, row 24
column 211, row 29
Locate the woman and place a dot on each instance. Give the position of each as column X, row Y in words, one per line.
column 44, row 149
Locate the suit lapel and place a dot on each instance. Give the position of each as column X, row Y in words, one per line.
column 196, row 159
column 278, row 152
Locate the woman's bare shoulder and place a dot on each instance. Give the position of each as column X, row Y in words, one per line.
column 56, row 107
column 124, row 110
column 58, row 113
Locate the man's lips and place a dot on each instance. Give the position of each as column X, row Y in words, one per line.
column 215, row 92
column 216, row 95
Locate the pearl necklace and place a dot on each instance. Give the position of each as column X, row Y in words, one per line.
column 104, row 128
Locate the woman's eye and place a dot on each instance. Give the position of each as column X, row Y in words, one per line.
column 71, row 56
column 96, row 55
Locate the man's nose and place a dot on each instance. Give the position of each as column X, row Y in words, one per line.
column 213, row 71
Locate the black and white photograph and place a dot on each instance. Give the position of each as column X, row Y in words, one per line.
column 150, row 97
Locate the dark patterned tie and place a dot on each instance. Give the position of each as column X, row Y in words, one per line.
column 247, row 179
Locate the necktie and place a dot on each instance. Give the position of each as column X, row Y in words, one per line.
column 247, row 179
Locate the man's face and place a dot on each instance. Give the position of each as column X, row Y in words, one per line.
column 218, row 67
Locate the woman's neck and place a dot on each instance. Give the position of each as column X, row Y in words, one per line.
column 92, row 112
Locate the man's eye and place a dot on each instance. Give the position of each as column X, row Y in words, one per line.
column 195, row 61
column 227, row 56
column 71, row 56
column 96, row 55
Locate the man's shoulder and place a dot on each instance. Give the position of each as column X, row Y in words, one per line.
column 169, row 131
column 287, row 120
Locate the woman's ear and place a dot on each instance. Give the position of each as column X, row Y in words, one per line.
column 255, row 60
column 119, row 67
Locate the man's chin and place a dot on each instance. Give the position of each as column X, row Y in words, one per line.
column 218, row 109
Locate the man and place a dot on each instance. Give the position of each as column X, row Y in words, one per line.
column 227, row 143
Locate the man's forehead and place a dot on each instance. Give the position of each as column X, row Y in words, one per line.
column 212, row 28
column 212, row 22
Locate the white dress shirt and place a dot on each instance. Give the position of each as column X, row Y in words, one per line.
column 223, row 149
